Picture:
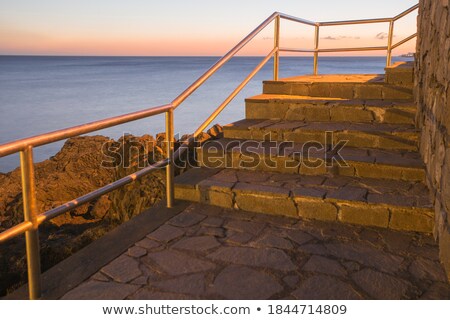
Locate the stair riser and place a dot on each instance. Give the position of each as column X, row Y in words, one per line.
column 339, row 90
column 386, row 141
column 299, row 111
column 399, row 218
column 310, row 166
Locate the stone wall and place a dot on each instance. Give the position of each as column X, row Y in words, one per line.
column 432, row 77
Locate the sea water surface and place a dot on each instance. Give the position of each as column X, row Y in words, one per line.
column 39, row 94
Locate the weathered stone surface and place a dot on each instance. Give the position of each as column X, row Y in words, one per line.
column 136, row 252
column 254, row 284
column 212, row 231
column 177, row 263
column 186, row 219
column 193, row 285
column 324, row 265
column 266, row 204
column 365, row 215
column 299, row 237
column 123, row 269
column 317, row 209
column 325, row 288
column 201, row 243
column 272, row 241
column 100, row 277
column 166, row 233
column 416, row 220
column 236, row 237
column 213, row 222
column 95, row 290
column 245, row 226
column 148, row 244
column 366, row 255
column 382, row 286
column 425, row 269
column 266, row 257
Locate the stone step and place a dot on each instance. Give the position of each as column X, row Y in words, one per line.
column 339, row 86
column 359, row 135
column 298, row 158
column 316, row 109
column 400, row 205
column 400, row 73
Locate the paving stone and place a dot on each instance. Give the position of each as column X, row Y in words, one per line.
column 425, row 269
column 96, row 290
column 201, row 243
column 365, row 255
column 437, row 291
column 177, row 263
column 100, row 277
column 148, row 244
column 212, row 222
column 272, row 241
column 265, row 257
column 186, row 219
column 192, row 285
column 150, row 294
column 210, row 231
column 166, row 233
column 252, row 227
column 136, row 252
column 348, row 193
column 324, row 265
column 313, row 248
column 299, row 236
column 123, row 269
column 382, row 286
column 291, row 280
column 243, row 283
column 321, row 287
column 238, row 238
column 351, row 266
column 142, row 280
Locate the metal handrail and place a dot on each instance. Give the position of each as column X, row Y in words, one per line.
column 32, row 219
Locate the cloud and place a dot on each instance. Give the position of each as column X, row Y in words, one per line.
column 339, row 38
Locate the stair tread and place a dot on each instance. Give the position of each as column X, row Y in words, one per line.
column 298, row 125
column 335, row 78
column 331, row 100
column 369, row 191
column 404, row 158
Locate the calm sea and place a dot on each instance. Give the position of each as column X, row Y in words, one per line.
column 39, row 94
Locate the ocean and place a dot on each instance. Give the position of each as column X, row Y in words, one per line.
column 45, row 93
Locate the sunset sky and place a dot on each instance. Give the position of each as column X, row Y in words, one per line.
column 182, row 27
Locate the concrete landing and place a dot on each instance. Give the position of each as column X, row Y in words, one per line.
column 208, row 252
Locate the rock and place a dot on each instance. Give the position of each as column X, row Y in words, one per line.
column 382, row 286
column 324, row 265
column 299, row 237
column 136, row 252
column 95, row 290
column 177, row 263
column 272, row 241
column 166, row 233
column 245, row 226
column 186, row 219
column 325, row 288
column 243, row 283
column 263, row 257
column 424, row 269
column 147, row 243
column 192, row 285
column 202, row 243
column 123, row 269
column 216, row 131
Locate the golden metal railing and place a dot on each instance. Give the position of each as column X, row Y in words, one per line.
column 32, row 218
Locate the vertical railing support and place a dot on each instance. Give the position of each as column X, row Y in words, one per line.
column 276, row 44
column 316, row 50
column 169, row 151
column 389, row 46
column 30, row 214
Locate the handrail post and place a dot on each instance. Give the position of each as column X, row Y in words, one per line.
column 276, row 45
column 169, row 151
column 316, row 49
column 389, row 46
column 30, row 214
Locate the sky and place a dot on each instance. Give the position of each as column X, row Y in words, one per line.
column 188, row 28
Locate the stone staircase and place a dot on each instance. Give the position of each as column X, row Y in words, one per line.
column 335, row 147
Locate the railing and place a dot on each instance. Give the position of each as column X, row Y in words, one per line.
column 33, row 219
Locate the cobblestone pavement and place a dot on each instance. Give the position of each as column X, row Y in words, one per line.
column 208, row 252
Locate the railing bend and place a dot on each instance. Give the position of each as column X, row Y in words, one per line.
column 33, row 219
